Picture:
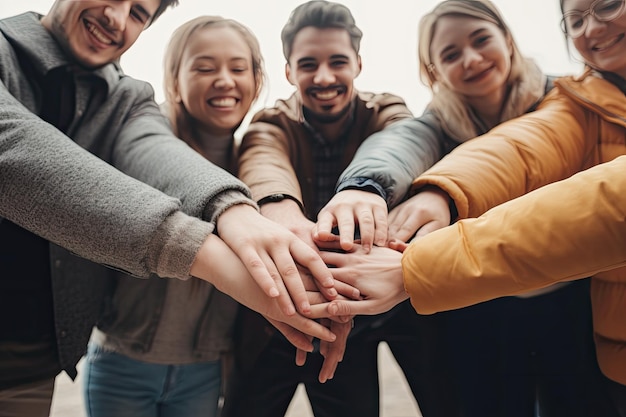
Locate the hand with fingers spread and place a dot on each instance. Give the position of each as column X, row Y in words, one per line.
column 272, row 253
column 349, row 209
column 421, row 214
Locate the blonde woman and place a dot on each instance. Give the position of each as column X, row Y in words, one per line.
column 159, row 351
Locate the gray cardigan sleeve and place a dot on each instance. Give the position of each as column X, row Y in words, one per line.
column 58, row 190
column 389, row 160
column 147, row 150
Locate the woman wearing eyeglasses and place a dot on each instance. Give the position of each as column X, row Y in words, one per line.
column 559, row 233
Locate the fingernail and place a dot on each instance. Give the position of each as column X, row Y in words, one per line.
column 273, row 292
column 332, row 292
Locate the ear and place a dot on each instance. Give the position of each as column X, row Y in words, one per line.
column 359, row 64
column 509, row 44
column 176, row 93
column 288, row 74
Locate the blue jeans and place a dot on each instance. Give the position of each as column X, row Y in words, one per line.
column 116, row 385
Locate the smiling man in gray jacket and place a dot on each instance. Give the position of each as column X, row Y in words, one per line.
column 91, row 175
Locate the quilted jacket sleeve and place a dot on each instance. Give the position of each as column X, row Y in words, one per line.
column 567, row 230
column 516, row 157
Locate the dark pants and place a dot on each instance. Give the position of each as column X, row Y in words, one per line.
column 32, row 400
column 618, row 395
column 265, row 386
column 512, row 353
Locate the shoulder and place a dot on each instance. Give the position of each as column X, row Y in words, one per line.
column 373, row 100
column 284, row 112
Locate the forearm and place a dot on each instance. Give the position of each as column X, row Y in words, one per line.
column 59, row 191
column 394, row 157
column 567, row 230
column 513, row 159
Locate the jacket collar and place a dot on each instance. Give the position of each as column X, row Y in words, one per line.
column 26, row 32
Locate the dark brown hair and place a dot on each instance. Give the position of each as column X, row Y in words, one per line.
column 320, row 14
column 162, row 6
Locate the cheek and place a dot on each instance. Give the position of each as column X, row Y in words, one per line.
column 579, row 45
column 450, row 75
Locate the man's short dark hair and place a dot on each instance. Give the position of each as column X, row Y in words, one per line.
column 162, row 6
column 320, row 14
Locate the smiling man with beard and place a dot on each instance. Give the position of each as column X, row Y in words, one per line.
column 291, row 157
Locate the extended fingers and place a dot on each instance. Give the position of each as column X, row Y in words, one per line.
column 287, row 272
column 333, row 352
column 322, row 231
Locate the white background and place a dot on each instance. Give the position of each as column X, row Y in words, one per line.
column 388, row 48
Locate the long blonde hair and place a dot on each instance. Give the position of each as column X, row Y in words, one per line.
column 175, row 110
column 526, row 82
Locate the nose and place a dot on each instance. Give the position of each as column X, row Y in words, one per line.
column 224, row 80
column 594, row 26
column 116, row 14
column 324, row 75
column 471, row 57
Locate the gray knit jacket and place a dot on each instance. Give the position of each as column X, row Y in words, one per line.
column 87, row 192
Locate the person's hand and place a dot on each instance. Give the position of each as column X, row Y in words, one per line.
column 340, row 326
column 288, row 214
column 421, row 214
column 216, row 263
column 377, row 275
column 333, row 351
column 349, row 208
column 271, row 253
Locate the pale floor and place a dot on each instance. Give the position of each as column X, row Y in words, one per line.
column 396, row 400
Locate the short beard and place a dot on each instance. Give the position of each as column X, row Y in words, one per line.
column 312, row 116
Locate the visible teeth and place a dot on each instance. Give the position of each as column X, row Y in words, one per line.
column 223, row 102
column 606, row 44
column 98, row 35
column 326, row 95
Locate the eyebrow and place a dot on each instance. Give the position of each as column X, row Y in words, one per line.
column 471, row 35
column 311, row 59
column 212, row 58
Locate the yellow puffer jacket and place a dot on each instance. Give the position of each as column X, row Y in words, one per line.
column 569, row 230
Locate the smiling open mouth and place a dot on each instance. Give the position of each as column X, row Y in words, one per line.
column 328, row 93
column 223, row 102
column 101, row 37
column 607, row 44
column 479, row 76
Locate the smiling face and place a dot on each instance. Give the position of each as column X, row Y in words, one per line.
column 96, row 33
column 603, row 44
column 323, row 66
column 216, row 82
column 471, row 56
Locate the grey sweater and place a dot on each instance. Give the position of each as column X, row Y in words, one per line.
column 88, row 192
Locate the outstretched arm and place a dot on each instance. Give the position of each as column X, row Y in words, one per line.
column 378, row 177
column 567, row 230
